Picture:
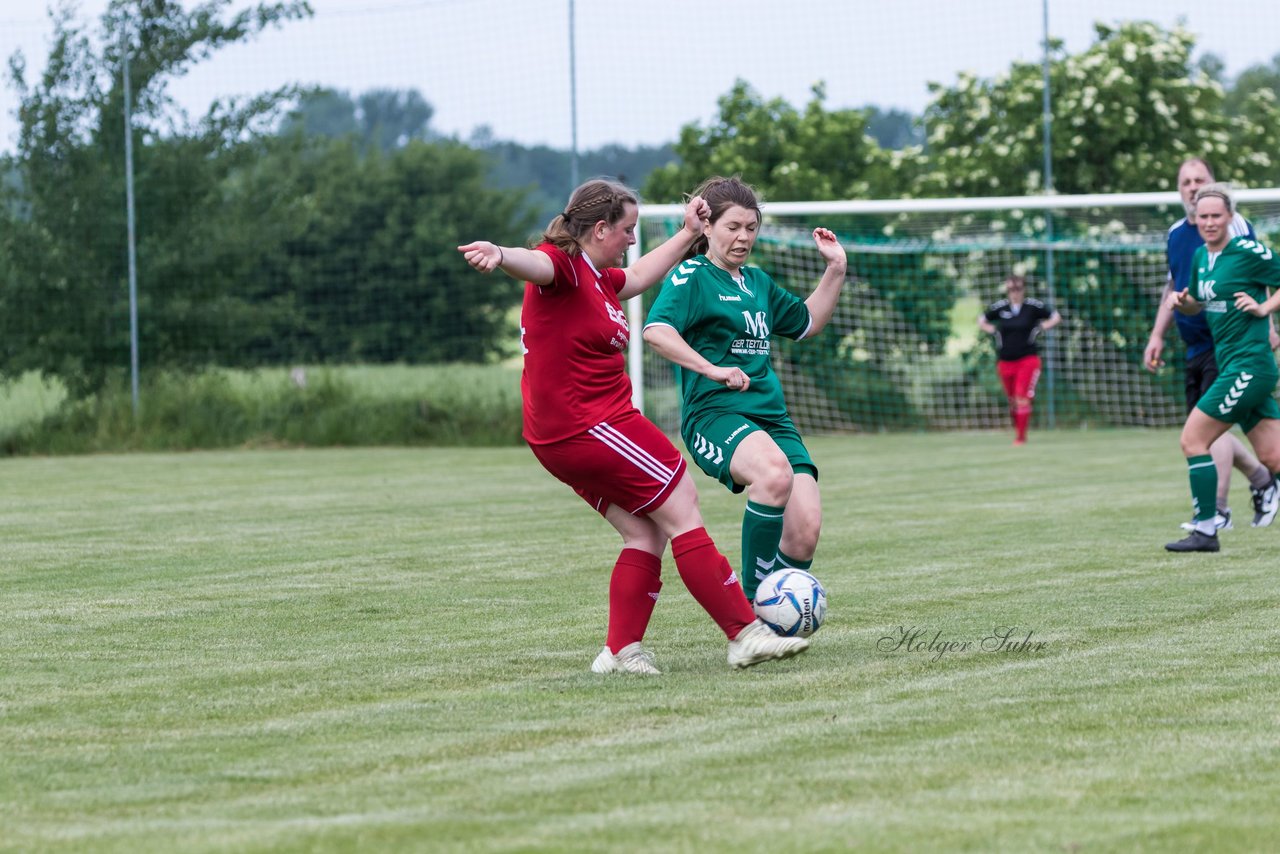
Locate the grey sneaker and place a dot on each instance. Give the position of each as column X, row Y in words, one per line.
column 1265, row 503
column 1196, row 542
column 632, row 658
column 757, row 643
column 1221, row 522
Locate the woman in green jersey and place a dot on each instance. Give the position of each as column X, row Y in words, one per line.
column 714, row 319
column 1229, row 281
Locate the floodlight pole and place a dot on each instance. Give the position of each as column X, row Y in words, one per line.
column 132, row 230
column 573, row 103
column 1047, row 110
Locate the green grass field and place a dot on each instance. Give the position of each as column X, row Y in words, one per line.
column 387, row 650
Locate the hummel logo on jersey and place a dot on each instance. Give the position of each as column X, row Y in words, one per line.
column 1258, row 249
column 730, row 298
column 1236, row 392
column 707, row 450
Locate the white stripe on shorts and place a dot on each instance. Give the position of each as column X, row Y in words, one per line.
column 632, row 452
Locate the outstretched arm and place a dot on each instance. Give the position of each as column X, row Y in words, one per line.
column 822, row 302
column 670, row 345
column 656, row 263
column 527, row 265
column 1052, row 321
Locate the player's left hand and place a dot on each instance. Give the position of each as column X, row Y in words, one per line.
column 829, row 246
column 697, row 213
column 1246, row 303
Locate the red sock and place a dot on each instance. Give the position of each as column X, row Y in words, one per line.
column 1021, row 416
column 712, row 581
column 633, row 591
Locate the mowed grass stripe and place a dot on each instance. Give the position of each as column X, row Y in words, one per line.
column 369, row 649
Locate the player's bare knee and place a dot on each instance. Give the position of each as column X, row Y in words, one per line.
column 776, row 481
column 1270, row 457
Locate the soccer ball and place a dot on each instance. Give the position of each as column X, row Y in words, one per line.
column 792, row 602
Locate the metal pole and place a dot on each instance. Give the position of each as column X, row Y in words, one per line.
column 132, row 231
column 573, row 103
column 1047, row 110
column 635, row 320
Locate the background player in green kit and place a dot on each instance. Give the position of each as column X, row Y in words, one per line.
column 714, row 319
column 1229, row 281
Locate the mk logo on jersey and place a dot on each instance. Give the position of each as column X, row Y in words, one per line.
column 1206, row 289
column 1237, row 391
column 756, row 325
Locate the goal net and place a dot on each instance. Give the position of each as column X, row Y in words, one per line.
column 903, row 350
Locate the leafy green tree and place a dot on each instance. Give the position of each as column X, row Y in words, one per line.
column 545, row 172
column 788, row 153
column 63, row 291
column 384, row 119
column 355, row 258
column 894, row 129
column 1126, row 111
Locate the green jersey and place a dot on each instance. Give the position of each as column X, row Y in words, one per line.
column 1240, row 340
column 729, row 322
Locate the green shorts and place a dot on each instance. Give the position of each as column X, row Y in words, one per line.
column 1241, row 397
column 711, row 441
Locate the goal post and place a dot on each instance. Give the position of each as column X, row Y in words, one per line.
column 903, row 350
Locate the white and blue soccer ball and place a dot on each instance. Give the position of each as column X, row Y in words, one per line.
column 792, row 602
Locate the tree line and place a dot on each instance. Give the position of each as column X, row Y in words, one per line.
column 319, row 227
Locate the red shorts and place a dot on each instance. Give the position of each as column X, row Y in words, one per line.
column 1019, row 376
column 625, row 461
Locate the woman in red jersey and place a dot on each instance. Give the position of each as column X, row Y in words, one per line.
column 581, row 425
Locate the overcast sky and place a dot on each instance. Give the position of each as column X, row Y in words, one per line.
column 645, row 68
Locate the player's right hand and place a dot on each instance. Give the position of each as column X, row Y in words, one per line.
column 482, row 255
column 730, row 378
column 1151, row 356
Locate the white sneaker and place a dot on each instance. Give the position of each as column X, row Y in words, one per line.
column 1221, row 522
column 632, row 658
column 757, row 643
column 1265, row 503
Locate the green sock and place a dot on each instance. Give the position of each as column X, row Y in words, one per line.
column 761, row 531
column 788, row 561
column 1204, row 486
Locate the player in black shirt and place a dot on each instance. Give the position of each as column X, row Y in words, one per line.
column 1016, row 322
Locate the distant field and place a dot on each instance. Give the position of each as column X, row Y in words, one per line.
column 446, row 405
column 387, row 650
column 27, row 399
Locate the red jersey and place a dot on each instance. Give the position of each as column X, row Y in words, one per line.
column 574, row 334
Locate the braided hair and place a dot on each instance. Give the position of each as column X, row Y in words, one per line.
column 593, row 201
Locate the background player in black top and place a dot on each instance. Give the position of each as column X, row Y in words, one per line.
column 1016, row 322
